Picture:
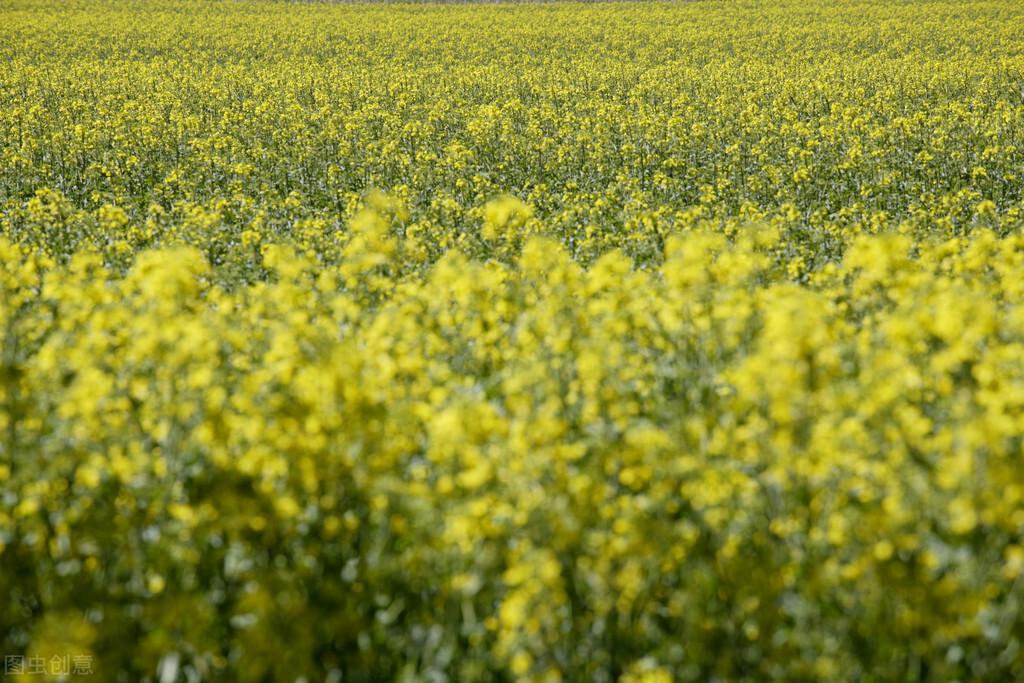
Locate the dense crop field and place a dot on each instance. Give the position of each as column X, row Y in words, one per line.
column 580, row 342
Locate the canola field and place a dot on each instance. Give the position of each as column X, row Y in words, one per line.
column 522, row 342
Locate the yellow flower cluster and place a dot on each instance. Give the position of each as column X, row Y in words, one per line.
column 680, row 341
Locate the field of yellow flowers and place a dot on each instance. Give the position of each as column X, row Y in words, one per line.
column 546, row 342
